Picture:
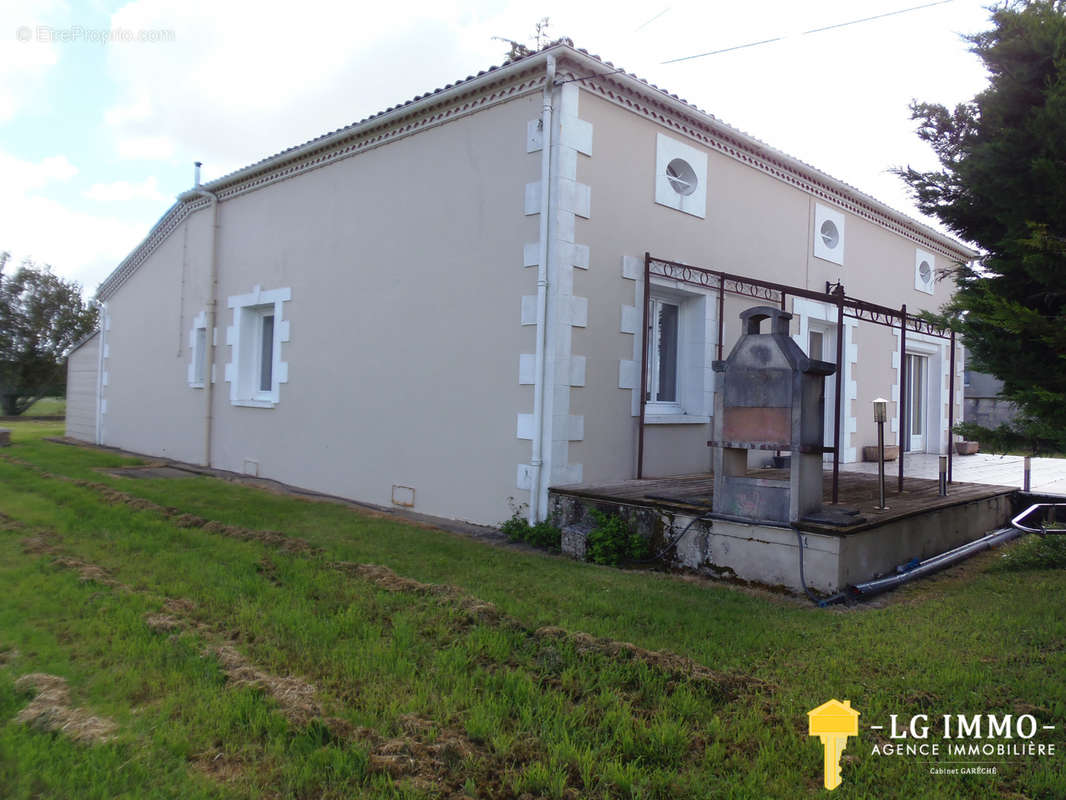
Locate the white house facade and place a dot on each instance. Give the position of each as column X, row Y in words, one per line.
column 441, row 307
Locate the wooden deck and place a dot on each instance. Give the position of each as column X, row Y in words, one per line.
column 693, row 494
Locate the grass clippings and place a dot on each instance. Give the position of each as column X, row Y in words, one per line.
column 295, row 697
column 179, row 518
column 671, row 664
column 50, row 710
column 88, row 572
column 388, row 580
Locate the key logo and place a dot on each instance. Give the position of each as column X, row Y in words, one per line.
column 833, row 723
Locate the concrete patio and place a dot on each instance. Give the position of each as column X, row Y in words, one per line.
column 1048, row 474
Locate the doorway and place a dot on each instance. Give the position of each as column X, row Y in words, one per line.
column 917, row 403
column 821, row 345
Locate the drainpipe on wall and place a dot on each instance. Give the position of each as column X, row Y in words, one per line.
column 101, row 310
column 212, row 306
column 536, row 513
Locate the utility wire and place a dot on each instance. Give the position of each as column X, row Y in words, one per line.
column 812, row 30
column 650, row 21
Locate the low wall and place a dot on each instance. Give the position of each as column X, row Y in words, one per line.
column 988, row 412
column 770, row 555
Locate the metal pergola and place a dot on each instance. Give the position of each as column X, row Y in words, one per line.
column 725, row 283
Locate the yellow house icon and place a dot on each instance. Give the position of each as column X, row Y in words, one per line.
column 833, row 722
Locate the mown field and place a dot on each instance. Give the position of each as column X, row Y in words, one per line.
column 47, row 407
column 198, row 638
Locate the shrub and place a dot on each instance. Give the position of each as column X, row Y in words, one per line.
column 544, row 534
column 611, row 542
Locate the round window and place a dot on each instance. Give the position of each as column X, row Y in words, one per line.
column 681, row 176
column 925, row 271
column 830, row 234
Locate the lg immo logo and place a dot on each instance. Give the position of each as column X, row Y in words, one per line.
column 951, row 744
column 833, row 723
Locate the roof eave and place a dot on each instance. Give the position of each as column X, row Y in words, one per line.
column 591, row 63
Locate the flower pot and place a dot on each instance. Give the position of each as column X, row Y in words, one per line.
column 967, row 448
column 869, row 453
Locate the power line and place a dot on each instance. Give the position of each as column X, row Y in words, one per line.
column 650, row 21
column 877, row 16
column 812, row 30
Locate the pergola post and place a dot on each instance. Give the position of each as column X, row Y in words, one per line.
column 902, row 390
column 837, row 399
column 951, row 405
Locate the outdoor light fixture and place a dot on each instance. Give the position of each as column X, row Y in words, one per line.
column 943, row 476
column 880, row 410
column 880, row 415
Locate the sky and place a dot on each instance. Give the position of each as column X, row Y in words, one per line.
column 105, row 105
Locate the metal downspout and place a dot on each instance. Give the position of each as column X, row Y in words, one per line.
column 211, row 315
column 536, row 513
column 102, row 311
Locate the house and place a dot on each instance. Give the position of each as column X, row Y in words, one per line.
column 984, row 401
column 441, row 306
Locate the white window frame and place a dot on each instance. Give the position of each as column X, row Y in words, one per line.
column 244, row 372
column 653, row 406
column 197, row 367
column 697, row 328
column 823, row 215
column 667, row 150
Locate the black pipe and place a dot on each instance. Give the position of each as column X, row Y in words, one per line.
column 933, row 564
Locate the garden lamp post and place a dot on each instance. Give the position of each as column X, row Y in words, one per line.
column 880, row 415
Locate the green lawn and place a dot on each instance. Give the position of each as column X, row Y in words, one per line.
column 240, row 664
column 47, row 407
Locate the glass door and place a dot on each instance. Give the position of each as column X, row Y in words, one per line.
column 663, row 355
column 821, row 345
column 917, row 405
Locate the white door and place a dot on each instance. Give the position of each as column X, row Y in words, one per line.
column 917, row 402
column 821, row 345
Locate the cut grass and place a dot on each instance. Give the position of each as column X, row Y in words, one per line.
column 47, row 407
column 420, row 697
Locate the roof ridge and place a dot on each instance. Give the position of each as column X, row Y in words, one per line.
column 834, row 188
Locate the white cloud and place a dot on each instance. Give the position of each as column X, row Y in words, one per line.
column 24, row 60
column 24, row 176
column 80, row 245
column 239, row 83
column 144, row 148
column 123, row 191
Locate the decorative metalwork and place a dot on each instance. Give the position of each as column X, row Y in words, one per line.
column 712, row 279
column 776, row 293
column 723, row 282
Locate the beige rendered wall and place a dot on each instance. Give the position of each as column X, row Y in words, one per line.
column 755, row 225
column 148, row 405
column 405, row 270
column 82, row 371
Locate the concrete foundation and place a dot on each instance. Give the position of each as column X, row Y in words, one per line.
column 769, row 554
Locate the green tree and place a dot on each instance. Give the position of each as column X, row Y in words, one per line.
column 41, row 317
column 1002, row 186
